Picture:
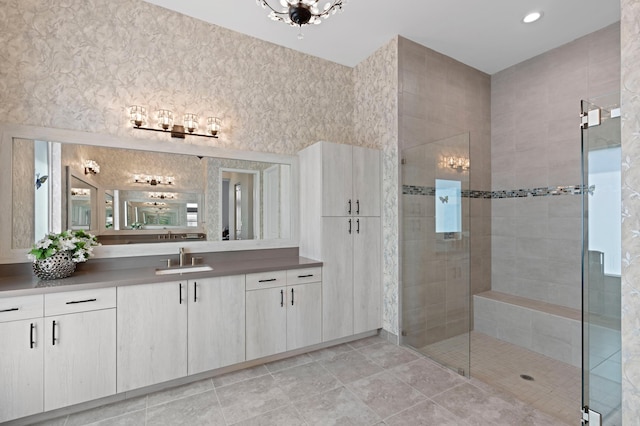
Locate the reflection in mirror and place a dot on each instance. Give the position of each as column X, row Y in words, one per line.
column 146, row 196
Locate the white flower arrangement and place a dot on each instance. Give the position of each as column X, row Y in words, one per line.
column 79, row 243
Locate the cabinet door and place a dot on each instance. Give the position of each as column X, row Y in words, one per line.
column 266, row 322
column 304, row 315
column 152, row 334
column 21, row 362
column 366, row 181
column 367, row 275
column 336, row 180
column 80, row 357
column 216, row 323
column 337, row 277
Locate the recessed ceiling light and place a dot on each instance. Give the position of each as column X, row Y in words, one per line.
column 532, row 17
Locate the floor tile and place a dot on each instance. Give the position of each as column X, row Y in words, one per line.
column 240, row 375
column 250, row 398
column 385, row 394
column 288, row 363
column 285, row 416
column 357, row 344
column 305, row 380
column 426, row 413
column 200, row 409
column 427, row 377
column 336, row 407
column 328, row 353
column 387, row 355
column 131, row 419
column 60, row 421
column 107, row 411
column 179, row 392
column 351, row 366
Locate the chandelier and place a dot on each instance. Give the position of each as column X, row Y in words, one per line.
column 303, row 12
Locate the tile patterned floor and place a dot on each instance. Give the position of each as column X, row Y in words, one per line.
column 557, row 386
column 366, row 382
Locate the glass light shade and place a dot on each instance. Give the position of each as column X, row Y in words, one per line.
column 213, row 125
column 168, row 180
column 91, row 166
column 137, row 115
column 190, row 122
column 165, row 119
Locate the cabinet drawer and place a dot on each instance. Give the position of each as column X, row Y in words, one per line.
column 266, row 280
column 79, row 301
column 22, row 307
column 303, row 276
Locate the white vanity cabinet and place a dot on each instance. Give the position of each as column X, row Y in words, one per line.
column 152, row 334
column 216, row 323
column 340, row 193
column 283, row 317
column 21, row 357
column 79, row 346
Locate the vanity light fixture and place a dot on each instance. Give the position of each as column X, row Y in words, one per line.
column 162, row 195
column 138, row 117
column 80, row 192
column 460, row 164
column 91, row 167
column 532, row 17
column 153, row 180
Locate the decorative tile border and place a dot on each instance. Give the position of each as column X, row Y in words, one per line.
column 513, row 193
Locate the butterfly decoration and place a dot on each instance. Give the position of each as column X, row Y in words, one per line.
column 444, row 199
column 40, row 180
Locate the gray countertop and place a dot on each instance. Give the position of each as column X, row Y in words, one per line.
column 29, row 284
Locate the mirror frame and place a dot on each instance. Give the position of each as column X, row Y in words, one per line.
column 10, row 131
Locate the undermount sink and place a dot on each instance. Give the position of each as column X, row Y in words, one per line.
column 184, row 270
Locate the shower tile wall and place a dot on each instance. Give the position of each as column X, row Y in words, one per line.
column 440, row 97
column 536, row 241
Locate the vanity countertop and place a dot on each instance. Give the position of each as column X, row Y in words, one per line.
column 30, row 284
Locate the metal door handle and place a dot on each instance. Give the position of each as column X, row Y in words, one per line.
column 53, row 333
column 291, row 297
column 357, row 206
column 349, row 225
column 357, row 226
column 32, row 342
column 305, row 276
column 267, row 281
column 73, row 302
column 281, row 298
column 349, row 207
column 10, row 310
column 180, row 294
column 195, row 291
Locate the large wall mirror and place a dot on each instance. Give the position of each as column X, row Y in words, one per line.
column 186, row 194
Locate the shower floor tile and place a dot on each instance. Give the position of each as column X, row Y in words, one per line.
column 555, row 390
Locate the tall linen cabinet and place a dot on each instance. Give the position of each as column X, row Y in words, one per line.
column 340, row 193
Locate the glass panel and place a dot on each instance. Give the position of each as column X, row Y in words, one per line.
column 602, row 259
column 435, row 250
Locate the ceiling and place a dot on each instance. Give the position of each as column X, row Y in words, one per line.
column 487, row 35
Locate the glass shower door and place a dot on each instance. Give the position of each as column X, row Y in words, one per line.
column 435, row 251
column 601, row 361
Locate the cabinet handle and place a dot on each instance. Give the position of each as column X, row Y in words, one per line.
column 358, row 207
column 349, row 207
column 281, row 298
column 267, row 281
column 73, row 302
column 32, row 342
column 53, row 333
column 180, row 294
column 195, row 291
column 291, row 297
column 357, row 226
column 349, row 225
column 305, row 276
column 10, row 310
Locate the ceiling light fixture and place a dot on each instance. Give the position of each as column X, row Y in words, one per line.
column 532, row 17
column 303, row 12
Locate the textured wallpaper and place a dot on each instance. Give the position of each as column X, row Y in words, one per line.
column 78, row 64
column 23, row 234
column 376, row 125
column 630, row 102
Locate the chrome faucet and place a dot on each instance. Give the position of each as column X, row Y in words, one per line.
column 181, row 253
